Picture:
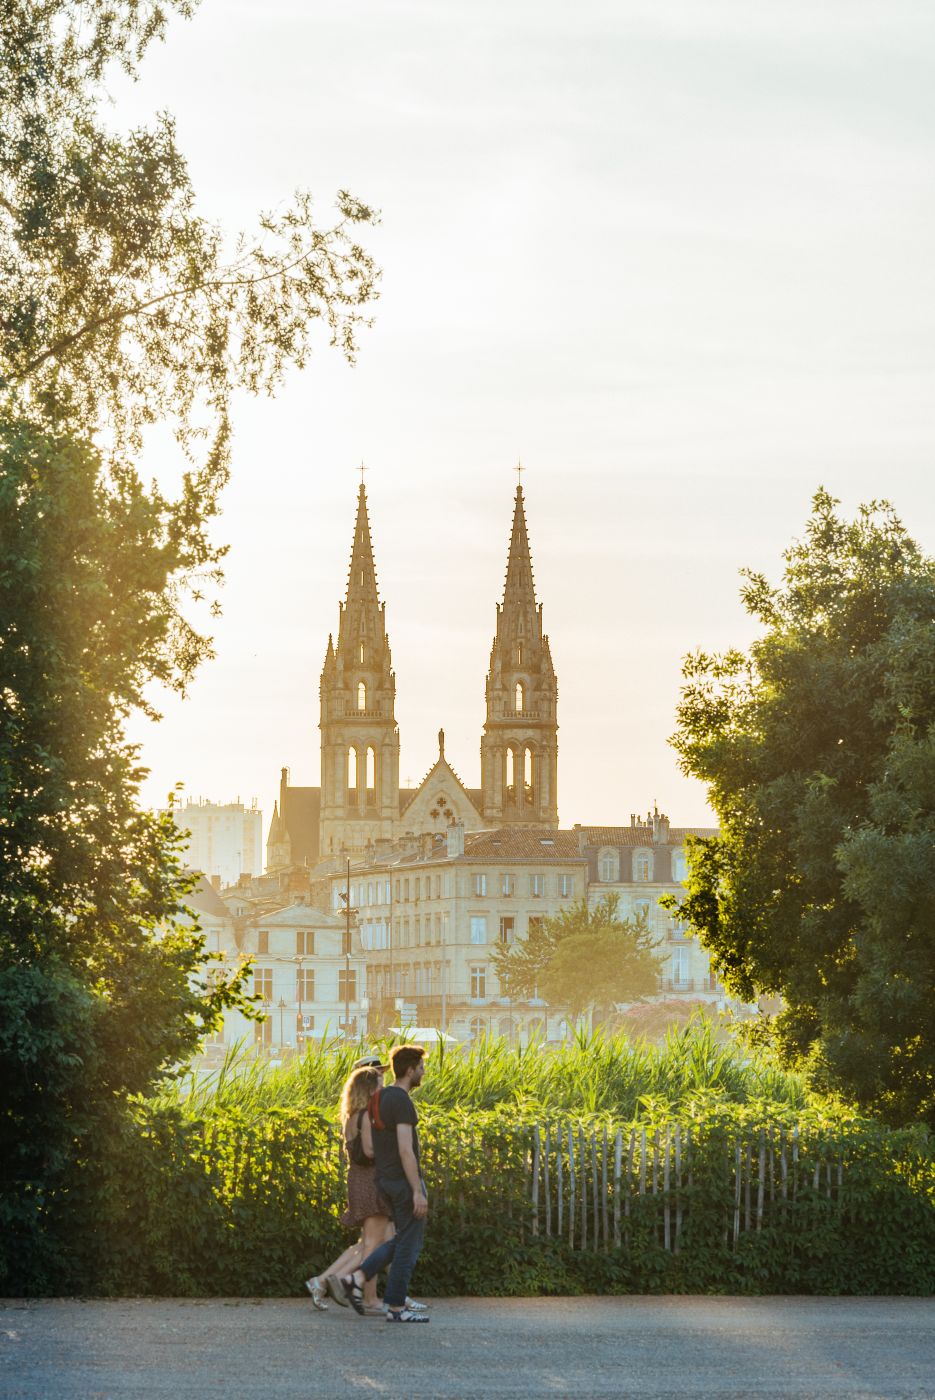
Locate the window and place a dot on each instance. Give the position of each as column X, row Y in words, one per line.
column 438, row 887
column 679, row 967
column 507, row 928
column 519, row 654
column 480, row 884
column 360, row 654
column 478, row 983
column 418, row 888
column 305, row 942
column 386, row 892
column 679, row 867
column 478, row 928
column 608, row 865
column 445, row 927
column 418, row 922
column 263, row 1032
column 642, row 866
column 510, row 771
column 305, row 984
column 263, row 983
column 405, row 889
column 508, row 885
column 641, row 910
column 476, row 1028
column 418, row 981
column 371, row 776
column 262, row 940
column 506, row 1027
column 566, row 885
column 447, row 886
column 537, row 886
column 438, row 928
column 520, row 697
column 347, row 984
column 370, row 892
column 362, row 695
column 352, row 776
column 528, row 784
column 397, row 889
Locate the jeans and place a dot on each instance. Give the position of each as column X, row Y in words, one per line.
column 401, row 1252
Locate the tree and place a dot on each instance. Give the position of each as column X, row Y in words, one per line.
column 818, row 749
column 583, row 959
column 119, row 309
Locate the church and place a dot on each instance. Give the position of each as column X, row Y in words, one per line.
column 360, row 807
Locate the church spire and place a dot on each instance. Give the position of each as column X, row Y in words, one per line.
column 519, row 589
column 362, row 575
column 519, row 747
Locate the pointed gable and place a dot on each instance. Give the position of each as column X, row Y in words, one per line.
column 440, row 799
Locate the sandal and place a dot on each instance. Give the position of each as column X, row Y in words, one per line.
column 413, row 1306
column 354, row 1293
column 333, row 1285
column 318, row 1293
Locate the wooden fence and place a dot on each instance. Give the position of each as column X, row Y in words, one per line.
column 586, row 1187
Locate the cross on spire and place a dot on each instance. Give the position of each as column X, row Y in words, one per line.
column 362, row 469
column 519, row 469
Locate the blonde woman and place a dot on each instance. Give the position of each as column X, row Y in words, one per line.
column 365, row 1205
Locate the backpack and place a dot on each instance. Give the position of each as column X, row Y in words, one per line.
column 373, row 1108
column 355, row 1148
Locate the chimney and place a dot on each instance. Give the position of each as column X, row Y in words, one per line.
column 215, row 882
column 455, row 840
column 660, row 827
column 633, row 819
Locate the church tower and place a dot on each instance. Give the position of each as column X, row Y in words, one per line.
column 519, row 747
column 359, row 738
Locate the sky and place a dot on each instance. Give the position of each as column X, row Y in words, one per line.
column 675, row 257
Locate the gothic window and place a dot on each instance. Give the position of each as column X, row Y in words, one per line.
column 520, row 697
column 371, row 777
column 352, row 776
column 362, row 695
column 642, row 865
column 608, row 865
column 519, row 654
column 510, row 773
column 361, row 653
column 528, row 775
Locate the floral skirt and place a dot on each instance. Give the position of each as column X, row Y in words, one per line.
column 363, row 1196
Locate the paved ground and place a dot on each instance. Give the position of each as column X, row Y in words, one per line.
column 282, row 1350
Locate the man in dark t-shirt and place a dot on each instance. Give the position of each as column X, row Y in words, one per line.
column 399, row 1176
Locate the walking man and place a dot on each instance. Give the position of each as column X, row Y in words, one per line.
column 399, row 1176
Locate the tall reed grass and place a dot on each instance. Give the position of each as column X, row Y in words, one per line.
column 590, row 1075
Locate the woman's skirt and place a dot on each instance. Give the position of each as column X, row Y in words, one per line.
column 363, row 1196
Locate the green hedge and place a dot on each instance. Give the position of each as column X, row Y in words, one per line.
column 238, row 1203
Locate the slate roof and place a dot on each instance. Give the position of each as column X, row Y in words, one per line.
column 301, row 808
column 205, row 898
column 640, row 835
column 300, row 916
column 532, row 844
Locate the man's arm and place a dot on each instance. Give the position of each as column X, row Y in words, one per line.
column 420, row 1205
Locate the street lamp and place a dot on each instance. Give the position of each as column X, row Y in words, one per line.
column 299, row 993
column 282, row 1007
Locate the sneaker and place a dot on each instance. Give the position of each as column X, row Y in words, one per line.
column 405, row 1315
column 318, row 1293
column 333, row 1285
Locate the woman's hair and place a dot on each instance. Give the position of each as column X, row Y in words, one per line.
column 356, row 1092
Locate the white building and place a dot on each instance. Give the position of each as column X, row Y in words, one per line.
column 225, row 839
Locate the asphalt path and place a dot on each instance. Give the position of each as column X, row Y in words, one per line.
column 240, row 1349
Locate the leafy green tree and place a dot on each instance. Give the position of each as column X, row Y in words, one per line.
column 818, row 749
column 583, row 959
column 119, row 308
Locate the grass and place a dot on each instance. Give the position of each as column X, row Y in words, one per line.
column 590, row 1075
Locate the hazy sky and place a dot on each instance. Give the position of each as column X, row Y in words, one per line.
column 678, row 257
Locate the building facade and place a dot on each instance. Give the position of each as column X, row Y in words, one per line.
column 639, row 863
column 225, row 839
column 429, row 916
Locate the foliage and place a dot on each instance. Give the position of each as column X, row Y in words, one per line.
column 591, row 1074
column 232, row 1201
column 101, row 989
column 582, row 958
column 121, row 306
column 120, row 310
column 818, row 749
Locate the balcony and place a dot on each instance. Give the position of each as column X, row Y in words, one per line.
column 678, row 984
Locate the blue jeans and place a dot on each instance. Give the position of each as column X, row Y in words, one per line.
column 401, row 1252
